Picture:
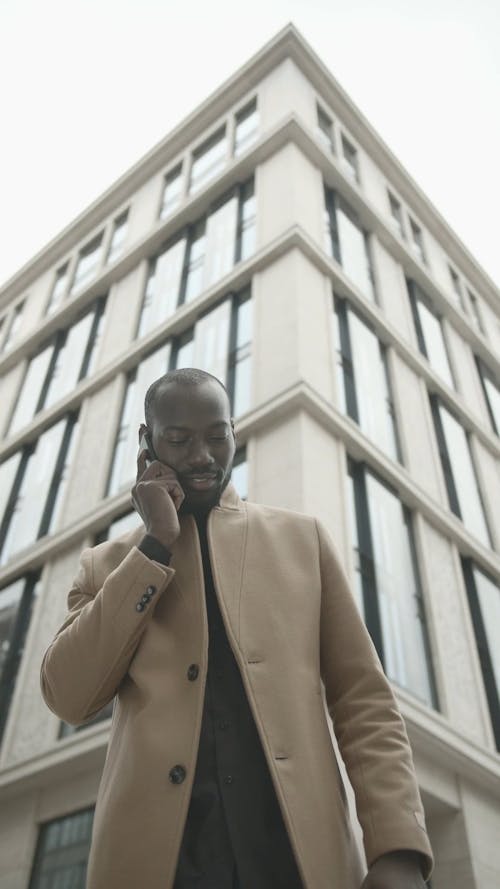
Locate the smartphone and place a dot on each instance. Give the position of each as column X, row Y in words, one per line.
column 147, row 445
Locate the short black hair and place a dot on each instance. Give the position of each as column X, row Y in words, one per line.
column 186, row 376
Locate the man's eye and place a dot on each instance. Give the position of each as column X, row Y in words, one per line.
column 218, row 438
column 179, row 441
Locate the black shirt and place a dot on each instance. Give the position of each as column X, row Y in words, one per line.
column 234, row 836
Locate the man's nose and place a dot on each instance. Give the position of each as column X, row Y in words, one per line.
column 199, row 455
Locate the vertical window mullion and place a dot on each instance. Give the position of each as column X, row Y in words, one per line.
column 366, row 558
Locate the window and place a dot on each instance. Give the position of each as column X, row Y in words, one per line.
column 208, row 160
column 183, row 351
column 219, row 342
column 347, row 242
column 429, row 332
column 246, row 129
column 324, row 130
column 417, row 241
column 195, row 260
column 247, row 219
column 476, row 312
column 350, row 159
column 33, row 501
column 13, row 327
column 62, row 852
column 66, row 730
column 456, row 289
column 63, row 361
column 363, row 379
column 239, row 475
column 121, row 525
column 172, row 191
column 491, row 392
column 88, row 262
column 118, row 237
column 199, row 257
column 240, row 355
column 396, row 215
column 458, row 468
column 389, row 594
column 484, row 602
column 123, row 469
column 16, row 606
column 59, row 289
column 162, row 286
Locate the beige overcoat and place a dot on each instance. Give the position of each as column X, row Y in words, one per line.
column 292, row 624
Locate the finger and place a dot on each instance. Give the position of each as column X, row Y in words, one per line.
column 141, row 463
column 177, row 495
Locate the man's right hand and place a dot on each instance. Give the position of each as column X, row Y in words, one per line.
column 157, row 496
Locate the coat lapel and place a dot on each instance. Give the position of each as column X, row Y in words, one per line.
column 227, row 535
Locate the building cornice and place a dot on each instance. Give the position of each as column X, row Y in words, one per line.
column 288, row 43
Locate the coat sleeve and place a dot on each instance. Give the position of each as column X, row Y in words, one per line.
column 90, row 654
column 367, row 722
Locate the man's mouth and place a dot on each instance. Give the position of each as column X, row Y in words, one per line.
column 201, row 482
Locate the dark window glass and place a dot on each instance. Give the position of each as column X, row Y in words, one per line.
column 396, row 215
column 58, row 290
column 363, row 379
column 247, row 219
column 88, row 263
column 476, row 312
column 59, row 366
column 417, row 241
column 492, row 394
column 239, row 475
column 324, row 130
column 240, row 357
column 121, row 525
column 62, row 852
column 456, row 288
column 16, row 606
column 347, row 242
column 172, row 191
column 246, row 127
column 429, row 332
column 162, row 286
column 350, row 159
column 13, row 326
column 34, row 499
column 118, row 238
column 484, row 602
column 66, row 730
column 392, row 602
column 208, row 159
column 458, row 468
column 124, row 464
column 195, row 260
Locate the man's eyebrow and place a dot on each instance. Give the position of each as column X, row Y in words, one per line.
column 187, row 429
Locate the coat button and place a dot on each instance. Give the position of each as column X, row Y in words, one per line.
column 145, row 598
column 177, row 774
column 151, row 590
column 192, row 672
column 228, row 779
column 223, row 724
column 139, row 606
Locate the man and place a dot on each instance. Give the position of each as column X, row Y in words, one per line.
column 214, row 627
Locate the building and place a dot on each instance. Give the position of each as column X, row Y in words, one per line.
column 273, row 239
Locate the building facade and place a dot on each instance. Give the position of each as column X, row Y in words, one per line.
column 274, row 240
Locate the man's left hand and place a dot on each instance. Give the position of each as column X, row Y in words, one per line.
column 395, row 870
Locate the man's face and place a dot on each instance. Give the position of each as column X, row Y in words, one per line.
column 193, row 434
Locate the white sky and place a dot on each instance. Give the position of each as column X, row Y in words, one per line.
column 88, row 86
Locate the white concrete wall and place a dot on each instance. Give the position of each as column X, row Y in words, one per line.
column 416, row 429
column 458, row 674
